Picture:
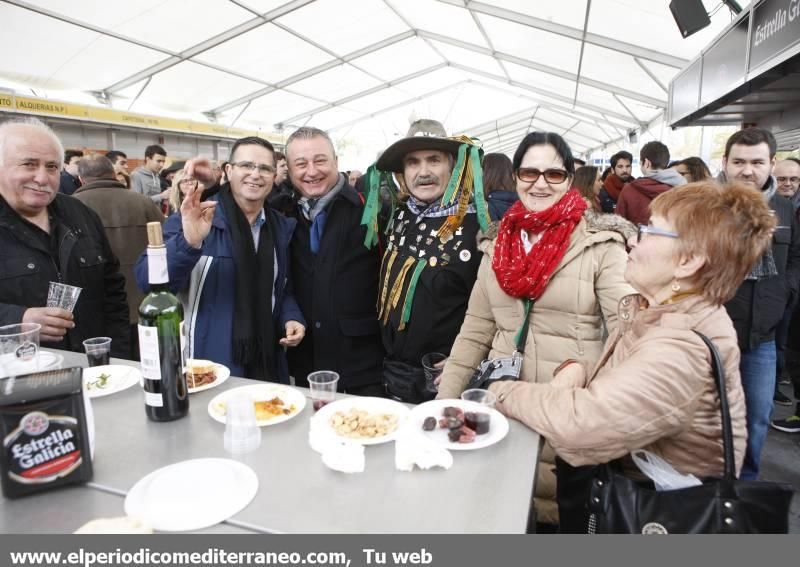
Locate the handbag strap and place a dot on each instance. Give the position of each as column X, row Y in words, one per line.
column 522, row 334
column 727, row 428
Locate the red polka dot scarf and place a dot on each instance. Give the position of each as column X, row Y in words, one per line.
column 527, row 275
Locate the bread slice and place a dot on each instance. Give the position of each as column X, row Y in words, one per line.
column 199, row 366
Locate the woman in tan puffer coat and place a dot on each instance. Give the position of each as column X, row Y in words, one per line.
column 653, row 387
column 574, row 270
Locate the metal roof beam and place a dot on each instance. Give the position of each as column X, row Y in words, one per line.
column 208, row 44
column 512, row 146
column 356, row 96
column 87, row 26
column 399, row 105
column 583, row 46
column 570, row 32
column 625, row 136
column 650, row 74
column 321, row 47
column 547, row 122
column 549, row 106
column 536, row 124
column 543, row 92
column 315, row 70
column 625, row 106
column 552, row 127
column 524, row 114
column 658, row 103
column 403, row 19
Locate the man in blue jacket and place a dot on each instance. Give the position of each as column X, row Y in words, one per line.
column 228, row 260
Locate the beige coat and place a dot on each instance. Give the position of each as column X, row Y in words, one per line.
column 566, row 322
column 652, row 389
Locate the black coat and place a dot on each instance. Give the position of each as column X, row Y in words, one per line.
column 607, row 202
column 85, row 260
column 758, row 305
column 68, row 184
column 442, row 292
column 337, row 292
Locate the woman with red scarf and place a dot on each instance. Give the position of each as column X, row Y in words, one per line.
column 548, row 255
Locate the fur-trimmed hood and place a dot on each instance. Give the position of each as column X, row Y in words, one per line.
column 606, row 226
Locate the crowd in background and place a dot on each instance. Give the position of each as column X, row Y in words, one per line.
column 438, row 248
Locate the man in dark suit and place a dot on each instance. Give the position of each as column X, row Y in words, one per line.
column 335, row 276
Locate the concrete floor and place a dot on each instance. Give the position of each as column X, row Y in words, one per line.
column 780, row 459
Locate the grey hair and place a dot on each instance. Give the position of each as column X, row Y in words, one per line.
column 8, row 125
column 96, row 167
column 307, row 133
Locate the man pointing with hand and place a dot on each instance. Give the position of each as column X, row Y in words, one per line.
column 227, row 260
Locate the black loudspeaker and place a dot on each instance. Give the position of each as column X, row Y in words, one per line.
column 690, row 15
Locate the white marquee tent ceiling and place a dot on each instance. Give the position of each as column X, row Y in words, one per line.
column 362, row 69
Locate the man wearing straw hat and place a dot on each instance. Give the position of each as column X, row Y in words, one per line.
column 430, row 259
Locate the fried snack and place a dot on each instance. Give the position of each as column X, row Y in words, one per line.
column 360, row 424
column 265, row 409
column 269, row 409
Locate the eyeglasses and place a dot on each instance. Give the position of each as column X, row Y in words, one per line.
column 531, row 175
column 792, row 180
column 250, row 167
column 187, row 182
column 646, row 229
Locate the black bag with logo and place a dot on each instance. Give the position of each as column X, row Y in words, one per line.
column 600, row 499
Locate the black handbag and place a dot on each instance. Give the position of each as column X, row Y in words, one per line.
column 600, row 499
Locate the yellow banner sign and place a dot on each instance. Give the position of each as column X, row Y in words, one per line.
column 29, row 105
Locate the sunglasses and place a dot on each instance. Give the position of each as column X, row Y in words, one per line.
column 531, row 175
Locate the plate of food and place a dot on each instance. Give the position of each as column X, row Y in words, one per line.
column 458, row 425
column 204, row 374
column 109, row 379
column 274, row 403
column 364, row 420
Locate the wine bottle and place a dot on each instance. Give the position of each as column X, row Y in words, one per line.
column 166, row 396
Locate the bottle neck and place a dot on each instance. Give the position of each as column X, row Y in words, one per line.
column 158, row 276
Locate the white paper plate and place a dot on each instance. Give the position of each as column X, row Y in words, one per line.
column 371, row 405
column 498, row 427
column 289, row 395
column 48, row 360
column 222, row 373
column 120, row 378
column 163, row 498
column 9, row 366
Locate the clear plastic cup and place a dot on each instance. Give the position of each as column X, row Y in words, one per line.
column 98, row 351
column 323, row 387
column 19, row 346
column 242, row 434
column 482, row 397
column 63, row 296
column 432, row 365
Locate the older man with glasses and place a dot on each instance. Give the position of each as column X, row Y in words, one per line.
column 228, row 259
column 787, row 174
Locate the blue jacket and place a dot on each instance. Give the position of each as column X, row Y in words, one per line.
column 204, row 281
column 499, row 201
